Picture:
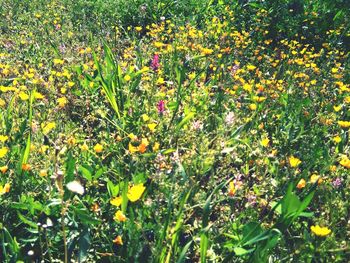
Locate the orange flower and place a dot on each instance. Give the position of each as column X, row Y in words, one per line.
column 301, row 184
column 118, row 240
column 231, row 189
column 26, row 167
column 119, row 216
column 3, row 169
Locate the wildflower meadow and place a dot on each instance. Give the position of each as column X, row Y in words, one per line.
column 174, row 131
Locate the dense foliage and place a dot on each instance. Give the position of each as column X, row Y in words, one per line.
column 174, row 131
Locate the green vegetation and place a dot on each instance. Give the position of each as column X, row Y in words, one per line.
column 174, row 131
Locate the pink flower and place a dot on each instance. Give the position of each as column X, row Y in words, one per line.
column 161, row 106
column 155, row 62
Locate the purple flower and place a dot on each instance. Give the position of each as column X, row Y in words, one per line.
column 155, row 62
column 337, row 182
column 161, row 106
column 234, row 69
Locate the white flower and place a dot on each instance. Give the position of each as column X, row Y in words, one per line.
column 76, row 187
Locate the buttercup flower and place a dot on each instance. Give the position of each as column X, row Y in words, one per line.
column 119, row 216
column 98, row 148
column 135, row 192
column 320, row 231
column 294, row 162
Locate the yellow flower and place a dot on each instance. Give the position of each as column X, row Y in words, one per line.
column 265, row 142
column 332, row 168
column 71, row 141
column 117, row 201
column 127, row 78
column 84, row 147
column 138, row 28
column 252, row 106
column 62, row 102
column 337, row 108
column 337, row 139
column 294, row 162
column 43, row 173
column 344, row 124
column 38, row 95
column 3, row 151
column 207, row 51
column 155, row 147
column 23, row 96
column 315, row 178
column 118, row 240
column 145, row 117
column 3, row 138
column 58, row 61
column 2, row 103
column 301, row 184
column 152, row 126
column 320, row 231
column 119, row 216
column 5, row 189
column 251, row 67
column 247, row 87
column 133, row 149
column 135, row 192
column 48, row 127
column 345, row 161
column 160, row 81
column 98, row 148
column 231, row 189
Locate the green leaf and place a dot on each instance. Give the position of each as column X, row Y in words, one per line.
column 239, row 251
column 85, row 217
column 185, row 120
column 86, row 172
column 113, row 190
column 250, row 231
column 27, row 221
column 70, row 167
column 84, row 244
column 182, row 255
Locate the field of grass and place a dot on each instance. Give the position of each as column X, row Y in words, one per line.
column 174, row 131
